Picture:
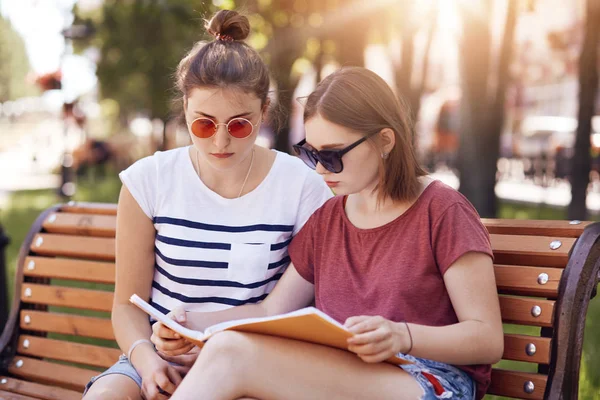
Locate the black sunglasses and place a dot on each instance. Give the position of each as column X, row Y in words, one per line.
column 331, row 160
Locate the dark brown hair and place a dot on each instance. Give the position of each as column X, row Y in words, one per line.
column 226, row 62
column 360, row 100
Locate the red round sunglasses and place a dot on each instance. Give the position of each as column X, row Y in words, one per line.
column 239, row 128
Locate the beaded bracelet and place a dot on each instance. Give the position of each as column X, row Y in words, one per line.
column 134, row 345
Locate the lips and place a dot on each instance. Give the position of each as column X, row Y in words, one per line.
column 221, row 155
column 331, row 184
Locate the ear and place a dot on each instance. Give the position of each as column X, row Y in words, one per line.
column 387, row 140
column 265, row 108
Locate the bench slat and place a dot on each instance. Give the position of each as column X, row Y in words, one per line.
column 511, row 384
column 515, row 348
column 62, row 350
column 68, row 268
column 70, row 246
column 67, row 297
column 37, row 390
column 519, row 311
column 90, row 208
column 81, row 224
column 531, row 250
column 523, row 280
column 14, row 396
column 534, row 227
column 68, row 324
column 65, row 376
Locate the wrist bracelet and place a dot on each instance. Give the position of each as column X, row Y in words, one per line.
column 410, row 336
column 135, row 344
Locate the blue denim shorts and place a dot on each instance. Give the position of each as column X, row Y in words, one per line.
column 439, row 380
column 123, row 367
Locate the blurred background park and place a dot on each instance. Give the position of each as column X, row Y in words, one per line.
column 504, row 94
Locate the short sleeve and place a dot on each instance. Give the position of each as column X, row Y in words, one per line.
column 302, row 251
column 314, row 194
column 458, row 231
column 141, row 179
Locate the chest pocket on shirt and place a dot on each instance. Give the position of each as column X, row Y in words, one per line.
column 248, row 263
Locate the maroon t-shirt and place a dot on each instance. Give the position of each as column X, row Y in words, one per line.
column 394, row 270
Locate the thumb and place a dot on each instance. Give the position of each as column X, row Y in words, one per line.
column 179, row 314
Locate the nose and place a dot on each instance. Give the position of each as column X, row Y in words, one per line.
column 221, row 138
column 321, row 169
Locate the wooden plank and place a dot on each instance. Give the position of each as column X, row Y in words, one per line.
column 81, row 224
column 66, row 297
column 68, row 268
column 90, row 208
column 68, row 324
column 530, row 250
column 534, row 227
column 37, row 390
column 71, row 246
column 515, row 348
column 14, row 396
column 62, row 350
column 519, row 311
column 45, row 372
column 512, row 384
column 523, row 280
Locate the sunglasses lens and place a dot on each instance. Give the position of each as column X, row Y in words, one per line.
column 306, row 156
column 240, row 128
column 203, row 128
column 331, row 161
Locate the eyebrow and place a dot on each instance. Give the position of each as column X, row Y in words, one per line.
column 244, row 114
column 331, row 146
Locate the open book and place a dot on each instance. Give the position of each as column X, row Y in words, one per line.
column 307, row 324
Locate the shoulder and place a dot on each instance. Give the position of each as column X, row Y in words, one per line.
column 441, row 197
column 290, row 165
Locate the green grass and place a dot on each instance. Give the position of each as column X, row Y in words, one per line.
column 25, row 206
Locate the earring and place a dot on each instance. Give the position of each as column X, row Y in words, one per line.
column 384, row 155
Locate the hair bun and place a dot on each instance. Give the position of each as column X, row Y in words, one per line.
column 229, row 23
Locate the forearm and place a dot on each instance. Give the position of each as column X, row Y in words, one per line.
column 464, row 343
column 131, row 324
column 202, row 320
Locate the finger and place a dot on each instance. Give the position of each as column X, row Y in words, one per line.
column 184, row 359
column 176, row 351
column 354, row 320
column 375, row 358
column 164, row 382
column 164, row 332
column 373, row 336
column 367, row 325
column 370, row 349
column 182, row 369
column 178, row 314
column 174, row 375
column 170, row 344
column 150, row 392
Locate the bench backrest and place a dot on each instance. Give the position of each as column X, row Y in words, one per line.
column 60, row 333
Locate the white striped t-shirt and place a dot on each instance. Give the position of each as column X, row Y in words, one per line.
column 211, row 252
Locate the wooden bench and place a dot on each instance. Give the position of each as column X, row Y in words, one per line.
column 546, row 272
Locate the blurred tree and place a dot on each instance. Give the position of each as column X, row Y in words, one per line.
column 14, row 64
column 404, row 73
column 482, row 109
column 141, row 43
column 588, row 89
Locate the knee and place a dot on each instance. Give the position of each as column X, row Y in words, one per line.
column 226, row 344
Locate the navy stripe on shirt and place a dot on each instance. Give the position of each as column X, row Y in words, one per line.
column 211, row 299
column 213, row 283
column 191, row 263
column 210, row 245
column 223, row 228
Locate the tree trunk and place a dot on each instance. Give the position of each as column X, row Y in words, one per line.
column 588, row 88
column 498, row 107
column 476, row 166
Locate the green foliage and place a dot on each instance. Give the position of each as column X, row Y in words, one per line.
column 141, row 43
column 14, row 64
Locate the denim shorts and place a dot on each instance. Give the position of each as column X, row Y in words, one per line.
column 123, row 367
column 439, row 380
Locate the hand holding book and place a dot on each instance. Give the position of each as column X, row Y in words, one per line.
column 307, row 324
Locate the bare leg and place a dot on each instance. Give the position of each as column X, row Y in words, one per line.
column 235, row 365
column 114, row 387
